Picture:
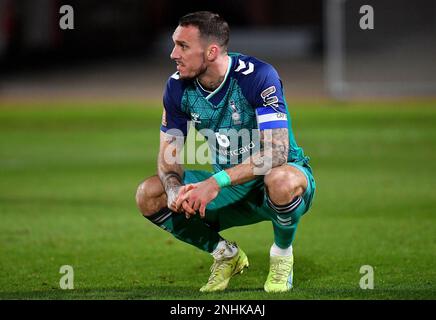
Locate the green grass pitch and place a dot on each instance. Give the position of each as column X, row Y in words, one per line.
column 68, row 176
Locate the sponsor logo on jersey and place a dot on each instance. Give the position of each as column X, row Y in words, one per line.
column 236, row 152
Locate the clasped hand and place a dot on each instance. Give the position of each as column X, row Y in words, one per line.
column 195, row 197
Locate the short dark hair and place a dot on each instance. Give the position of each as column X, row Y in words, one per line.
column 210, row 25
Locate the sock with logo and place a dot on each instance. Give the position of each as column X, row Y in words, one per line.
column 285, row 220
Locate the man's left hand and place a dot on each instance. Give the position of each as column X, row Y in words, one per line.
column 199, row 197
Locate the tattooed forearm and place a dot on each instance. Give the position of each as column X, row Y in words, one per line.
column 170, row 172
column 274, row 146
column 171, row 177
column 172, row 182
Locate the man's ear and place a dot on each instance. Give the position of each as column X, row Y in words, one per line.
column 212, row 52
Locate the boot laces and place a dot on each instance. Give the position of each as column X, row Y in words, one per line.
column 280, row 270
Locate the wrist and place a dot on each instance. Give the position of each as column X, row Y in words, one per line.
column 173, row 191
column 222, row 179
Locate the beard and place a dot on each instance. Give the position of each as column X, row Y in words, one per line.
column 196, row 73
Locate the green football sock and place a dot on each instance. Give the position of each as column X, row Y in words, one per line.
column 285, row 221
column 284, row 235
column 193, row 231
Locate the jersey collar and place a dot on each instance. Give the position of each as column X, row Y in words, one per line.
column 212, row 93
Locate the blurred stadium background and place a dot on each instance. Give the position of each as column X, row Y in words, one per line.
column 121, row 48
column 79, row 123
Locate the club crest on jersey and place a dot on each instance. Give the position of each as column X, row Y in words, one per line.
column 194, row 117
column 236, row 117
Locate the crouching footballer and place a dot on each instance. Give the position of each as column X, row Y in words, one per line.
column 225, row 94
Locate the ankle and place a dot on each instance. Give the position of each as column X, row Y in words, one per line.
column 276, row 251
column 224, row 250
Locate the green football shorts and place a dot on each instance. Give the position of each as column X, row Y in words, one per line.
column 246, row 203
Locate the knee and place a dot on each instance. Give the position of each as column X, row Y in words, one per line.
column 150, row 196
column 284, row 184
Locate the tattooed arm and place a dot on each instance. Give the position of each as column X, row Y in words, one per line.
column 273, row 152
column 274, row 146
column 169, row 169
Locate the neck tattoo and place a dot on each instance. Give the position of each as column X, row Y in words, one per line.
column 213, row 84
